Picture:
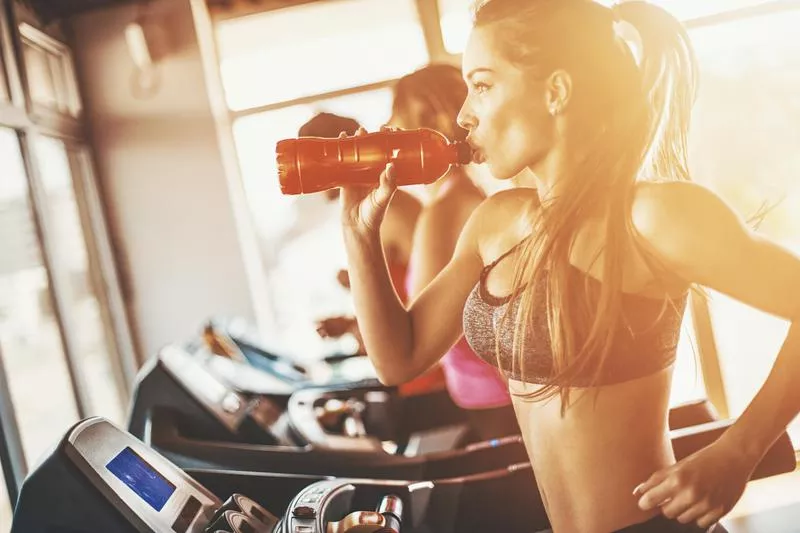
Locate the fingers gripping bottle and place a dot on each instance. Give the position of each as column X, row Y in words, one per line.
column 312, row 164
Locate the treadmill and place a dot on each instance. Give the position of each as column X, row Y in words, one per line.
column 102, row 479
column 184, row 409
column 185, row 412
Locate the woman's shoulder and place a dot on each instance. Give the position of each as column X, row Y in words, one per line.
column 677, row 221
column 658, row 206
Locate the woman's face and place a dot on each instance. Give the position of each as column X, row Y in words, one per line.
column 506, row 110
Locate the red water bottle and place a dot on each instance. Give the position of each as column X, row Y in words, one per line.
column 313, row 164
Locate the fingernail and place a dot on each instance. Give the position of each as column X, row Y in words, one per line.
column 637, row 489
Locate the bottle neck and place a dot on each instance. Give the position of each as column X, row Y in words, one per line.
column 461, row 152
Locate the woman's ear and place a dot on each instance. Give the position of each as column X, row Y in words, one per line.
column 559, row 91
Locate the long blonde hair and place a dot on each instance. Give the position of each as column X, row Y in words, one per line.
column 630, row 122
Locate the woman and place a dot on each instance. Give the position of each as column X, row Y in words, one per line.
column 397, row 232
column 576, row 288
column 431, row 98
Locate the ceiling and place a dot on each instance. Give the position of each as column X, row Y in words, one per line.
column 59, row 9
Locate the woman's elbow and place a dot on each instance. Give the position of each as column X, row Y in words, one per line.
column 396, row 375
column 391, row 377
column 397, row 372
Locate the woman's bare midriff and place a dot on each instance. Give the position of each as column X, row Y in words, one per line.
column 588, row 462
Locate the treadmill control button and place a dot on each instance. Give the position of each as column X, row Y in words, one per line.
column 304, row 511
column 231, row 404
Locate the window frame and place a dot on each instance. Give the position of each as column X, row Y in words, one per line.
column 27, row 120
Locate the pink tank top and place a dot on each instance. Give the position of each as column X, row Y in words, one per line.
column 471, row 382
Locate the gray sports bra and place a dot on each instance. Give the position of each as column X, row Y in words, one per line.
column 645, row 341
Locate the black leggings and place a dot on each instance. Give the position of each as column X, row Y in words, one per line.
column 662, row 524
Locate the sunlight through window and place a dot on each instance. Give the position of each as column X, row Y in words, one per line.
column 290, row 53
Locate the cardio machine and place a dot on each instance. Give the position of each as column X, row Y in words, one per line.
column 102, row 479
column 187, row 413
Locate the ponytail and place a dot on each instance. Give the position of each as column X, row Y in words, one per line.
column 669, row 75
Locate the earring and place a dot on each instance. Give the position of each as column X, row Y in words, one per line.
column 555, row 109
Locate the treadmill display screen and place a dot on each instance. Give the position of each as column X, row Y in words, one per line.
column 142, row 478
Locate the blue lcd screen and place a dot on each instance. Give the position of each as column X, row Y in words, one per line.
column 142, row 478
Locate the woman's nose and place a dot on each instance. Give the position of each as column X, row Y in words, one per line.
column 465, row 119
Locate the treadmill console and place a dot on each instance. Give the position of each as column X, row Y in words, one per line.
column 231, row 408
column 103, row 479
column 139, row 483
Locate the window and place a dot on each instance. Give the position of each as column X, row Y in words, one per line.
column 744, row 145
column 33, row 354
column 455, row 18
column 50, row 72
column 83, row 312
column 295, row 52
column 456, row 21
column 40, row 78
column 305, row 229
column 56, row 353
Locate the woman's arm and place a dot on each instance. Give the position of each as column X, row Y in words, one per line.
column 702, row 240
column 403, row 343
column 436, row 236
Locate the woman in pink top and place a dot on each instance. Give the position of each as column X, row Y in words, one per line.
column 431, row 98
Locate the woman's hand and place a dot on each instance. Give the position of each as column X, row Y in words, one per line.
column 335, row 326
column 363, row 207
column 338, row 326
column 701, row 488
